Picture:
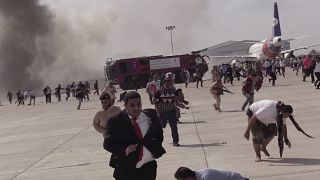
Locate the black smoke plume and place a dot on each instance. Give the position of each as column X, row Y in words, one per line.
column 24, row 24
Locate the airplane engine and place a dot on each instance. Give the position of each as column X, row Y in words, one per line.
column 277, row 41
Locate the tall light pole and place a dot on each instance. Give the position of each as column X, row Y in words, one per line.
column 170, row 28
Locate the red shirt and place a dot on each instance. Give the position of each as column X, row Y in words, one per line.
column 307, row 63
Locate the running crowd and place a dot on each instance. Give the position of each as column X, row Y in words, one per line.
column 79, row 91
column 134, row 136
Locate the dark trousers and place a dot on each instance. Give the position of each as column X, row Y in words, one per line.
column 312, row 75
column 317, row 83
column 308, row 72
column 20, row 101
column 278, row 70
column 58, row 97
column 273, row 81
column 68, row 95
column 80, row 99
column 147, row 172
column 172, row 118
column 199, row 79
column 48, row 98
column 34, row 100
column 96, row 91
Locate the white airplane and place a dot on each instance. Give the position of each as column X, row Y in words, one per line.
column 268, row 48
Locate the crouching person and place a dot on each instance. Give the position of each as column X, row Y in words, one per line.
column 262, row 122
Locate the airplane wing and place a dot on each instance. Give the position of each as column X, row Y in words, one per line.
column 297, row 38
column 218, row 60
column 299, row 48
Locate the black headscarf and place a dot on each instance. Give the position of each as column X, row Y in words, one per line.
column 281, row 139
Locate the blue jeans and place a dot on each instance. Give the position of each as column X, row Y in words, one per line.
column 249, row 100
column 171, row 117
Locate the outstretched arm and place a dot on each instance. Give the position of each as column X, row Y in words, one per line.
column 180, row 104
column 97, row 125
column 285, row 135
column 251, row 123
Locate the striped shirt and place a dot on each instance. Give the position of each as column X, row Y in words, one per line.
column 166, row 99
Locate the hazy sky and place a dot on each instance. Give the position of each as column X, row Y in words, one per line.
column 137, row 27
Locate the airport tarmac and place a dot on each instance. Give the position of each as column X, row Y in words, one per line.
column 56, row 141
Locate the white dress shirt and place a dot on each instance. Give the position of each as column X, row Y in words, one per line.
column 144, row 123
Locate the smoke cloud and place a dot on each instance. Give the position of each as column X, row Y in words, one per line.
column 50, row 42
column 79, row 42
column 41, row 44
column 56, row 41
column 24, row 23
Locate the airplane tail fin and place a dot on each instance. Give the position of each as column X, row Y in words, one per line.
column 276, row 30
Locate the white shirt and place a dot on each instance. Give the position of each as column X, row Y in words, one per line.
column 317, row 69
column 26, row 94
column 32, row 93
column 238, row 64
column 217, row 174
column 281, row 63
column 266, row 64
column 266, row 111
column 144, row 123
column 254, row 66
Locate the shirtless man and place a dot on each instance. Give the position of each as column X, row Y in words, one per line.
column 111, row 89
column 102, row 117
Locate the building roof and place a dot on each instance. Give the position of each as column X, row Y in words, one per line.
column 228, row 43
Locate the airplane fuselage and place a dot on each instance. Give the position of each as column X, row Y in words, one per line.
column 269, row 48
column 266, row 49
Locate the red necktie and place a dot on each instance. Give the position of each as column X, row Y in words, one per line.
column 140, row 136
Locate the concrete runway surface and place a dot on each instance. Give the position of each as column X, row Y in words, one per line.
column 56, row 141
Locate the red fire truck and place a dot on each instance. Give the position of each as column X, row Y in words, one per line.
column 136, row 72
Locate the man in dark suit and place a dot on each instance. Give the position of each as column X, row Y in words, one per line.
column 134, row 137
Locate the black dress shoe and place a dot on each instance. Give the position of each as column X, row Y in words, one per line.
column 176, row 144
